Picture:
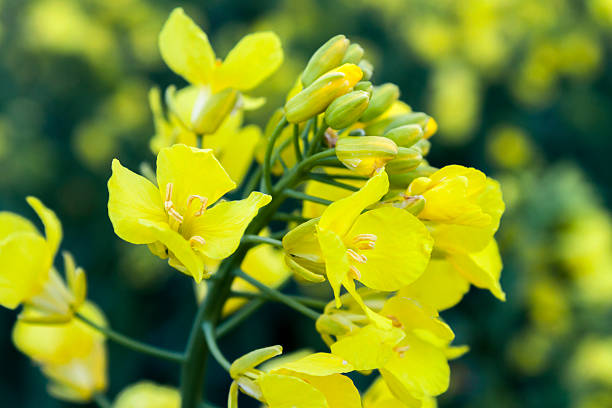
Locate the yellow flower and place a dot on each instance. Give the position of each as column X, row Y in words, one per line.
column 28, row 275
column 72, row 355
column 146, row 394
column 379, row 396
column 315, row 380
column 385, row 248
column 412, row 355
column 462, row 211
column 174, row 219
column 186, row 50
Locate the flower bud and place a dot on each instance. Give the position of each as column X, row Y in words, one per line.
column 407, row 159
column 382, row 99
column 253, row 359
column 414, row 204
column 367, row 68
column 364, row 86
column 405, row 136
column 327, row 57
column 334, row 324
column 423, row 146
column 209, row 113
column 365, row 154
column 413, row 118
column 431, row 128
column 403, row 180
column 317, row 97
column 347, row 109
column 353, row 54
column 357, row 132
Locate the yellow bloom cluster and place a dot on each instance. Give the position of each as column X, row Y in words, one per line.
column 403, row 239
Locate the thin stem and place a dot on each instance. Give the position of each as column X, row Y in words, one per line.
column 240, row 316
column 209, row 335
column 306, row 301
column 102, row 401
column 347, row 176
column 317, row 139
column 306, row 197
column 257, row 239
column 278, row 296
column 282, row 162
column 305, row 133
column 296, row 142
column 251, row 183
column 280, row 216
column 133, row 344
column 267, row 178
column 323, row 178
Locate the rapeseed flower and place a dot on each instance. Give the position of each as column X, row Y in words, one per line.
column 146, row 394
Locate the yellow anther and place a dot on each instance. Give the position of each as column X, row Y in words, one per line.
column 401, row 350
column 354, row 273
column 203, row 203
column 395, row 322
column 357, row 257
column 365, row 241
column 168, row 200
column 196, row 240
column 175, row 214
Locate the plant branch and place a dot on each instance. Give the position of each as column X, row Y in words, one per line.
column 296, row 142
column 267, row 177
column 133, row 344
column 323, row 178
column 240, row 316
column 257, row 239
column 306, row 301
column 306, row 197
column 209, row 335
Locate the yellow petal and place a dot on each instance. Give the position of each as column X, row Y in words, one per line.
column 253, row 59
column 131, row 198
column 318, row 364
column 223, row 225
column 368, row 348
column 338, row 390
column 482, row 269
column 379, row 396
column 441, row 286
column 340, row 215
column 337, row 264
column 301, row 242
column 53, row 227
column 191, row 171
column 178, row 246
column 146, row 394
column 237, row 161
column 25, row 261
column 326, row 191
column 401, row 251
column 420, row 370
column 11, row 223
column 253, row 359
column 283, row 391
column 422, row 320
column 185, row 48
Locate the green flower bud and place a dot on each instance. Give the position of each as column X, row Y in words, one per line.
column 334, row 324
column 365, row 86
column 327, row 57
column 413, row 118
column 365, row 154
column 403, row 180
column 424, row 146
column 382, row 98
column 347, row 109
column 206, row 117
column 408, row 158
column 357, row 132
column 353, row 54
column 317, row 97
column 405, row 136
column 367, row 68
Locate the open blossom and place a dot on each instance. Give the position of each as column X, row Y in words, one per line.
column 27, row 275
column 384, row 249
column 175, row 219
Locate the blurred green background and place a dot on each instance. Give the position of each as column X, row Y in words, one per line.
column 521, row 89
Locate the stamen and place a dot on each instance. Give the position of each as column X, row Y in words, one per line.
column 365, row 241
column 401, row 350
column 175, row 214
column 395, row 322
column 354, row 273
column 196, row 239
column 357, row 257
column 168, row 201
column 203, row 202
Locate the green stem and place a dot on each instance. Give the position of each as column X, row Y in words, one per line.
column 252, row 182
column 317, row 139
column 305, row 133
column 296, row 142
column 209, row 335
column 133, row 344
column 306, row 197
column 323, row 178
column 102, row 401
column 256, row 239
column 240, row 316
column 267, row 177
column 306, row 301
column 280, row 216
column 278, row 296
column 347, row 176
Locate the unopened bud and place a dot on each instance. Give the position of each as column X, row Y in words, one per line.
column 413, row 118
column 334, row 324
column 327, row 57
column 364, row 86
column 423, row 146
column 365, row 154
column 317, row 97
column 399, row 199
column 382, row 99
column 353, row 54
column 357, row 132
column 431, row 128
column 405, row 136
column 367, row 68
column 347, row 109
column 208, row 114
column 253, row 359
column 407, row 159
column 403, row 180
